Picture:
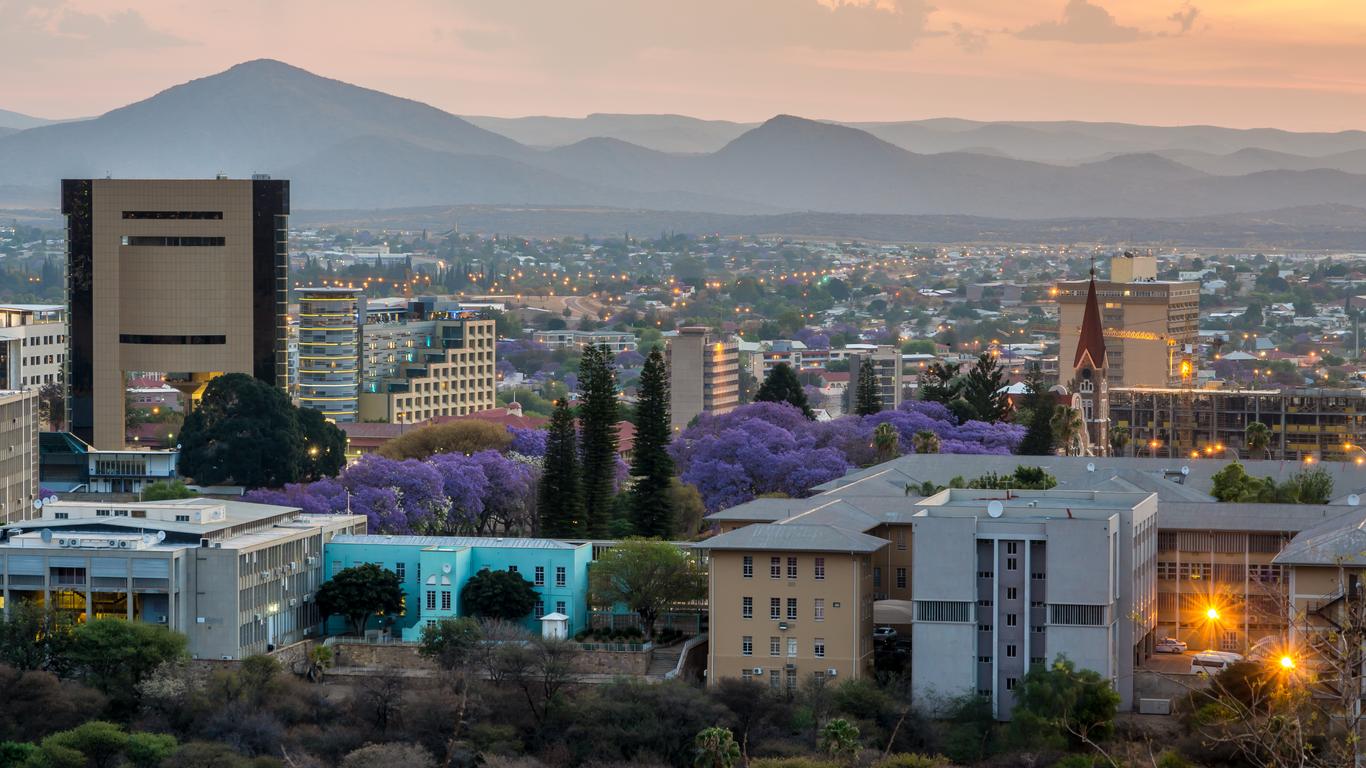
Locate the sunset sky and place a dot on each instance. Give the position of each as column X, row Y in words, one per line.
column 1297, row 64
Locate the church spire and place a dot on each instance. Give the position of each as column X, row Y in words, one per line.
column 1091, row 342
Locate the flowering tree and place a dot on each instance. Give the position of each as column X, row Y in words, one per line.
column 527, row 442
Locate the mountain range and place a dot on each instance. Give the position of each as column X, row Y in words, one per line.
column 347, row 147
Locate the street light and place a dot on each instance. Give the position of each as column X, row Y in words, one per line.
column 1287, row 662
column 1212, row 613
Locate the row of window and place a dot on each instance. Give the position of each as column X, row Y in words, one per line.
column 775, row 646
column 774, row 677
column 775, row 607
column 34, row 341
column 538, row 575
column 776, row 569
column 900, row 577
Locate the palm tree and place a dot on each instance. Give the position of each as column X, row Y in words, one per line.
column 886, row 441
column 1067, row 427
column 1258, row 438
column 1119, row 438
column 925, row 441
column 839, row 740
column 716, row 748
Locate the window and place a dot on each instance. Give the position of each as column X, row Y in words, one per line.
column 943, row 610
column 775, row 646
column 1011, row 563
column 158, row 241
column 820, row 569
column 792, row 609
column 746, row 674
column 431, row 599
column 877, row 576
column 747, row 646
column 983, row 659
column 818, row 609
column 773, row 679
column 1077, row 615
column 1012, row 593
column 986, row 574
column 792, row 647
column 746, row 607
column 445, row 599
column 901, row 578
column 1010, row 651
column 539, row 574
column 512, row 569
column 901, row 539
column 791, row 681
column 196, row 215
column 983, row 627
column 749, row 567
column 1011, row 548
column 818, row 647
column 559, row 575
column 1011, row 619
column 401, row 571
column 791, row 568
column 775, row 608
column 560, row 608
column 1011, row 682
column 540, row 607
column 775, row 567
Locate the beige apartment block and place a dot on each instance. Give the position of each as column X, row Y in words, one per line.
column 790, row 603
column 704, row 375
column 1148, row 323
column 182, row 277
column 18, row 455
column 454, row 376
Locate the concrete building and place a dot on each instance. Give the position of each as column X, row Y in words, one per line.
column 32, row 345
column 429, row 368
column 182, row 277
column 790, row 602
column 235, row 578
column 330, row 346
column 1187, row 423
column 1149, row 323
column 433, row 570
column 1004, row 580
column 615, row 341
column 704, row 375
column 887, row 363
column 18, row 462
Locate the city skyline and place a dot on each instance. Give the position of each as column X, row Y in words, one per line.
column 1269, row 64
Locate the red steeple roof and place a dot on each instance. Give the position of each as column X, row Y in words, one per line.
column 1091, row 343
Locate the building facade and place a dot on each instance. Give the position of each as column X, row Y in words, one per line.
column 19, row 462
column 448, row 370
column 181, row 277
column 1149, row 324
column 790, row 603
column 615, row 341
column 887, row 367
column 330, row 344
column 236, row 578
column 32, row 345
column 704, row 375
column 433, row 570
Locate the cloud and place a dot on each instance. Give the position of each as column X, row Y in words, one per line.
column 970, row 40
column 1083, row 22
column 51, row 29
column 1185, row 17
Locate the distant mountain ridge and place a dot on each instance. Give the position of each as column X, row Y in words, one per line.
column 345, row 146
column 18, row 122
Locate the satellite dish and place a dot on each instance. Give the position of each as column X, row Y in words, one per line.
column 46, row 535
column 161, row 535
column 1090, row 466
column 995, row 508
column 1353, row 500
column 52, row 498
column 37, row 503
column 1185, row 470
column 445, row 567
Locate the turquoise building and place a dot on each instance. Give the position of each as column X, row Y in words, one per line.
column 433, row 570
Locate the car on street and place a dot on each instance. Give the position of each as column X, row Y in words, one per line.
column 884, row 634
column 1169, row 645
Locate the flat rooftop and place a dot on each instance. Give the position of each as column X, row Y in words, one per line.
column 1028, row 505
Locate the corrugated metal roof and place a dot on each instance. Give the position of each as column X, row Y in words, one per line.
column 454, row 541
column 796, row 538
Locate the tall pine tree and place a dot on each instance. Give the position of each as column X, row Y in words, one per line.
column 560, row 498
column 598, row 438
column 782, row 386
column 1038, row 441
column 984, row 389
column 867, row 398
column 652, row 512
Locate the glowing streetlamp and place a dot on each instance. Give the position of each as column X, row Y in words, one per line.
column 1287, row 662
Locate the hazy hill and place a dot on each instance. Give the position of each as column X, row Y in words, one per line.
column 19, row 122
column 666, row 133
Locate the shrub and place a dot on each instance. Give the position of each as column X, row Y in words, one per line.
column 791, row 762
column 909, row 760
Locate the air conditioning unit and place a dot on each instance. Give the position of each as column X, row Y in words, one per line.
column 757, row 671
column 308, row 597
column 113, row 542
column 203, row 542
column 782, row 625
column 832, row 672
column 293, row 602
column 123, row 545
column 256, row 616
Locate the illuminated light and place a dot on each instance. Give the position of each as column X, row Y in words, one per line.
column 1287, row 662
column 1212, row 613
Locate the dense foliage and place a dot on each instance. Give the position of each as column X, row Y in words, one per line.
column 652, row 468
column 359, row 593
column 1233, row 483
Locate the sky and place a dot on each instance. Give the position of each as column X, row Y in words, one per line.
column 1294, row 64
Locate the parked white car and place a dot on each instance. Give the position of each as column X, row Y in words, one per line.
column 1169, row 645
column 1213, row 662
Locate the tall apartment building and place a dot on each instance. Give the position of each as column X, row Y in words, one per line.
column 428, row 368
column 183, row 277
column 615, row 341
column 704, row 375
column 18, row 455
column 236, row 578
column 330, row 345
column 790, row 603
column 1005, row 580
column 32, row 345
column 1148, row 323
column 1328, row 424
column 887, row 362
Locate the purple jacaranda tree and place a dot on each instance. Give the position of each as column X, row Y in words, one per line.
column 510, row 499
column 629, row 358
column 528, row 442
column 813, row 338
column 465, row 484
column 418, row 492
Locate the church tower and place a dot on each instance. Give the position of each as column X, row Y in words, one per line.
column 1090, row 374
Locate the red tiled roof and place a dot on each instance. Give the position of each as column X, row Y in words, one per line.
column 1091, row 342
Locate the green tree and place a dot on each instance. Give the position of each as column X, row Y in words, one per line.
column 652, row 468
column 1313, row 486
column 1067, row 428
column 393, row 754
column 1038, row 405
column 163, row 490
column 34, row 636
column 867, row 397
column 324, row 451
column 925, row 441
column 840, row 740
column 647, row 576
column 886, row 441
column 782, row 386
column 1078, row 706
column 467, row 436
column 1233, row 483
column 984, row 387
column 560, row 498
column 114, row 655
column 940, row 383
column 101, row 743
column 716, row 748
column 17, row 754
column 149, row 750
column 503, row 595
column 598, row 438
column 1258, row 439
column 359, row 592
column 450, row 642
column 1119, row 440
column 244, row 431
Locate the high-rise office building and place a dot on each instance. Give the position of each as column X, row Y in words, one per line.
column 704, row 375
column 1149, row 323
column 330, row 340
column 183, row 277
column 886, row 362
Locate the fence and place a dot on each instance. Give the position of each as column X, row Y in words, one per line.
column 687, row 622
